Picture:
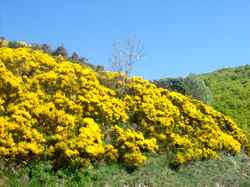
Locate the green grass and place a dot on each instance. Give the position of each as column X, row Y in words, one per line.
column 231, row 93
column 227, row 171
column 227, row 90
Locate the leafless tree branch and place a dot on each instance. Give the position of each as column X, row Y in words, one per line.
column 126, row 54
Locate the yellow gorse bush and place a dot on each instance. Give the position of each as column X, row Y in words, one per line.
column 131, row 145
column 70, row 114
column 192, row 129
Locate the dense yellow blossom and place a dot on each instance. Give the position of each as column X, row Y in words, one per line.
column 192, row 129
column 53, row 108
column 86, row 144
column 131, row 145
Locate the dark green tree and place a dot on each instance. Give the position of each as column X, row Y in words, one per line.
column 74, row 57
column 46, row 48
column 13, row 44
column 191, row 85
column 173, row 84
column 197, row 88
column 99, row 68
column 61, row 50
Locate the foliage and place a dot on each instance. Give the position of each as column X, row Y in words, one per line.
column 198, row 89
column 131, row 144
column 74, row 57
column 43, row 47
column 190, row 85
column 59, row 51
column 173, row 84
column 192, row 129
column 227, row 171
column 54, row 109
column 231, row 90
column 45, row 101
column 72, row 126
column 16, row 44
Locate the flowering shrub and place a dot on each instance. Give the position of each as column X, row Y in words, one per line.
column 70, row 114
column 130, row 145
column 80, row 147
column 192, row 129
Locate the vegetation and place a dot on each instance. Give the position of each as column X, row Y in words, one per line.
column 231, row 93
column 126, row 54
column 231, row 90
column 65, row 124
column 59, row 51
column 229, row 171
column 228, row 90
column 191, row 86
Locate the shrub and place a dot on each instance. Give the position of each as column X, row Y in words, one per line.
column 191, row 86
column 53, row 109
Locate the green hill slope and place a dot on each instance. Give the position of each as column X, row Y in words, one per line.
column 231, row 93
column 227, row 90
column 63, row 124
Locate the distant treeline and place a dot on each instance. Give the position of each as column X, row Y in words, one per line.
column 58, row 51
column 191, row 86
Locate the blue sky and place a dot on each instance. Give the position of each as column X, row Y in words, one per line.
column 179, row 36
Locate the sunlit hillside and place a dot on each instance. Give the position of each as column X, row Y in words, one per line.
column 69, row 116
column 231, row 93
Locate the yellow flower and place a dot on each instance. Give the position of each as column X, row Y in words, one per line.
column 50, row 106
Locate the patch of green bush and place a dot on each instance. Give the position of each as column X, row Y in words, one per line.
column 191, row 85
column 228, row 171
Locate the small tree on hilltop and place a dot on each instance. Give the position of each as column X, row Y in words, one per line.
column 198, row 89
column 61, row 50
column 126, row 54
column 172, row 84
column 74, row 57
column 46, row 48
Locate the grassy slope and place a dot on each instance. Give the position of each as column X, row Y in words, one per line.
column 231, row 90
column 228, row 171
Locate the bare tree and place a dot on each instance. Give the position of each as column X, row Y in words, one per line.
column 126, row 54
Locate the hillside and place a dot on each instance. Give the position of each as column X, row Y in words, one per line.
column 227, row 90
column 58, row 115
column 231, row 93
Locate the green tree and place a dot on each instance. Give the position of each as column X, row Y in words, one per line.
column 191, row 85
column 46, row 48
column 74, row 57
column 197, row 88
column 99, row 68
column 61, row 50
column 173, row 84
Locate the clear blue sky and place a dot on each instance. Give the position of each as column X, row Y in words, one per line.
column 179, row 36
